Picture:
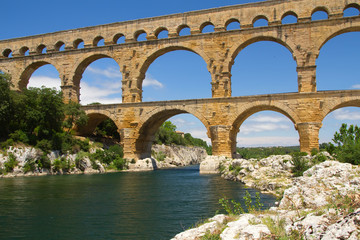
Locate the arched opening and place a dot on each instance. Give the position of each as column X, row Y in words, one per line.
column 269, row 131
column 351, row 10
column 161, row 33
column 260, row 21
column 333, row 121
column 171, row 75
column 101, row 128
column 7, row 53
column 42, row 74
column 207, row 27
column 289, row 18
column 232, row 24
column 24, row 51
column 140, row 36
column 184, row 30
column 337, row 64
column 99, row 41
column 263, row 66
column 41, row 49
column 60, row 46
column 319, row 13
column 100, row 80
column 184, row 123
column 79, row 43
column 119, row 38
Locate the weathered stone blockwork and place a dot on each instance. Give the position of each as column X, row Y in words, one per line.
column 221, row 115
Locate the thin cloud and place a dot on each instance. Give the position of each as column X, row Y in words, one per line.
column 356, row 86
column 342, row 114
column 39, row 81
column 256, row 128
column 90, row 94
column 150, row 82
column 108, row 72
column 270, row 119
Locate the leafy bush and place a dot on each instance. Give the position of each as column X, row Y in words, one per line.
column 11, row 163
column 160, row 156
column 235, row 208
column 30, row 165
column 348, row 144
column 300, row 164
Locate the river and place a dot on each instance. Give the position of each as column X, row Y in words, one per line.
column 152, row 205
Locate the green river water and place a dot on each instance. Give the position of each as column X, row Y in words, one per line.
column 138, row 205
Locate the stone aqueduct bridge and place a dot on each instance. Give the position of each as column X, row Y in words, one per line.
column 222, row 115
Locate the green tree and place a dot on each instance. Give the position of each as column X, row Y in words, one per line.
column 6, row 105
column 347, row 140
column 74, row 116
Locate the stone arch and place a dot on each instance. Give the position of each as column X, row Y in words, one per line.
column 205, row 24
column 23, row 50
column 326, row 38
column 117, row 37
column 352, row 5
column 29, row 70
column 40, row 49
column 251, row 109
column 289, row 13
column 58, row 45
column 331, row 106
column 97, row 40
column 321, row 9
column 159, row 30
column 138, row 33
column 151, row 123
column 260, row 17
column 231, row 20
column 77, row 42
column 94, row 119
column 7, row 52
column 81, row 66
column 237, row 49
column 181, row 27
column 157, row 53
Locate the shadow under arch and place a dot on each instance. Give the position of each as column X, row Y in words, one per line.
column 147, row 129
column 94, row 119
column 251, row 110
column 29, row 70
column 237, row 50
column 160, row 52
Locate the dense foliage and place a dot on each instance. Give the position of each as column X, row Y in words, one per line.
column 107, row 128
column 36, row 116
column 347, row 144
column 167, row 135
column 263, row 152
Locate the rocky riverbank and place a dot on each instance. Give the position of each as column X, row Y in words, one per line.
column 324, row 203
column 29, row 161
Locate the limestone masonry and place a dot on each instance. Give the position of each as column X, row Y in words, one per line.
column 222, row 115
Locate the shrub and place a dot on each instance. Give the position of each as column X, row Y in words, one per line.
column 119, row 163
column 11, row 163
column 29, row 165
column 19, row 136
column 300, row 164
column 160, row 156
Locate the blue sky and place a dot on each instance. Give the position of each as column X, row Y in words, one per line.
column 168, row 76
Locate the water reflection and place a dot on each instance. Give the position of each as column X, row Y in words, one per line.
column 144, row 205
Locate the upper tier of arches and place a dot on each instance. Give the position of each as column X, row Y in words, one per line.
column 125, row 32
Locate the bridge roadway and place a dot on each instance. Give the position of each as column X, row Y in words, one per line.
column 222, row 117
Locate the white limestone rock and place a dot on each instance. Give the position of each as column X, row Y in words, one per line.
column 211, row 164
column 212, row 225
column 147, row 164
